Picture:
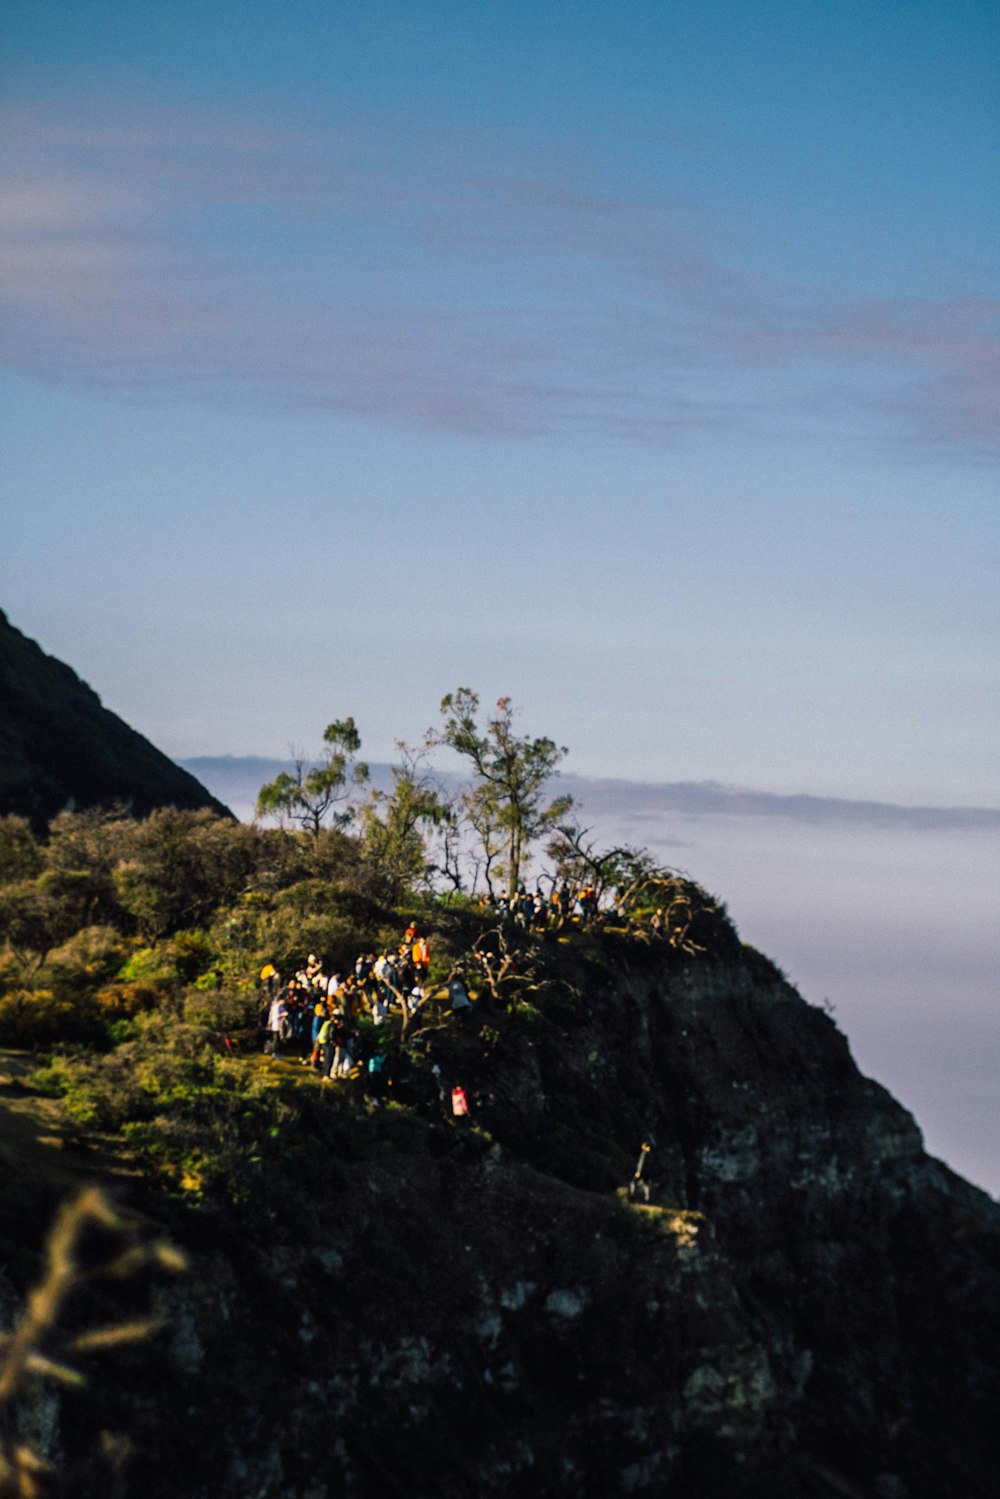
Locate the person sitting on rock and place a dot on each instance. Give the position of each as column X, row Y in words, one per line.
column 415, row 999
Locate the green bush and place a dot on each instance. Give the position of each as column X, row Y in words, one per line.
column 88, row 959
column 41, row 1018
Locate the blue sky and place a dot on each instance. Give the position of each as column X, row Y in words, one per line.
column 639, row 361
column 642, row 362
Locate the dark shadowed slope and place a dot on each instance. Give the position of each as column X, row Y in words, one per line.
column 59, row 747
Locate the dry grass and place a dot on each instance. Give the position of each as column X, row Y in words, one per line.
column 38, row 1349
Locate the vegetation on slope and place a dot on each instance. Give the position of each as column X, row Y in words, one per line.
column 805, row 1308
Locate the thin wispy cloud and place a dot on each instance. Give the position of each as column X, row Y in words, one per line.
column 206, row 258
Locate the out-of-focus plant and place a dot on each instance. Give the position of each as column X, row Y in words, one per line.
column 39, row 1349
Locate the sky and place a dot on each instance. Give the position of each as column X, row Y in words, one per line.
column 640, row 362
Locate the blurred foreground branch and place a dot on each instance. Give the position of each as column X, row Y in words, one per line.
column 36, row 1349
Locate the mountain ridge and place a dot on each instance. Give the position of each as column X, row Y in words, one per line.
column 61, row 748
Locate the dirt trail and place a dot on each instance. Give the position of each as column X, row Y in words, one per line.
column 44, row 1156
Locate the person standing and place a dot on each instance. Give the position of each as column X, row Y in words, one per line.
column 276, row 1018
column 638, row 1187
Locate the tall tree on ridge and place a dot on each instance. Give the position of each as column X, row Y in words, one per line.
column 510, row 772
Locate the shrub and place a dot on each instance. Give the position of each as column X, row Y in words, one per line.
column 39, row 1017
column 20, row 852
column 124, row 1000
column 90, row 957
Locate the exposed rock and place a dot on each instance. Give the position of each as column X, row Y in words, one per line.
column 809, row 1306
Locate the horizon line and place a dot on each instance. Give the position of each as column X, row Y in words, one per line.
column 712, row 797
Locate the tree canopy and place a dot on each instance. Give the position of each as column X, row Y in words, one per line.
column 507, row 802
column 321, row 790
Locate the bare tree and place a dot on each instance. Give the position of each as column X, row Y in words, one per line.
column 506, row 804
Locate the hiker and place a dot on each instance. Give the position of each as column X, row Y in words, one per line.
column 420, row 955
column 318, row 1018
column 276, row 1017
column 390, row 979
column 638, row 1188
column 377, row 1078
column 459, row 996
column 347, row 1041
column 328, row 1034
column 405, row 971
column 415, row 999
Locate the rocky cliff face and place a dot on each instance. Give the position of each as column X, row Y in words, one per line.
column 60, row 747
column 412, row 1305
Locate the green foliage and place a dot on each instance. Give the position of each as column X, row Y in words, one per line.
column 220, row 1010
column 143, row 940
column 395, row 827
column 312, row 916
column 37, row 915
column 178, row 961
column 91, row 956
column 321, row 789
column 92, row 842
column 182, row 1104
column 21, row 855
column 149, row 965
column 41, row 1018
column 179, row 867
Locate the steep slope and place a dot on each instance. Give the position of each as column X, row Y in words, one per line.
column 395, row 1302
column 59, row 746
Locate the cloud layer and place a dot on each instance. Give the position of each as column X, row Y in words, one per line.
column 633, row 806
column 206, row 258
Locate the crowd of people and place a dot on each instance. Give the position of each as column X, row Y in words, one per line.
column 535, row 910
column 314, row 1016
